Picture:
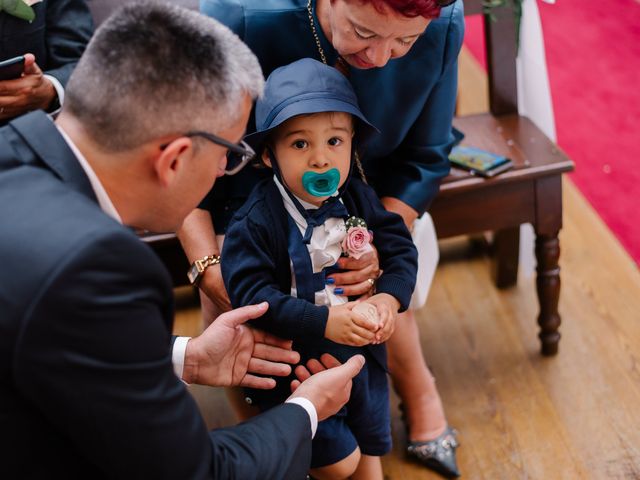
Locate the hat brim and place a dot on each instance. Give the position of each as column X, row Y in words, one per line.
column 365, row 130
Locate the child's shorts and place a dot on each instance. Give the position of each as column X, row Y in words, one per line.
column 363, row 422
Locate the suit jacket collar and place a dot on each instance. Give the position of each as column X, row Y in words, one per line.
column 40, row 133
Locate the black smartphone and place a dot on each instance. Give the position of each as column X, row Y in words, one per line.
column 12, row 68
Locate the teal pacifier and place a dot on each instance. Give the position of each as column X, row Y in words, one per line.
column 321, row 184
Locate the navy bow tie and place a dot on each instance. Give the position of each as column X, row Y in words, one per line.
column 332, row 208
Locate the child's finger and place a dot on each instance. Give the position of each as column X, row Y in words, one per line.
column 363, row 335
column 364, row 322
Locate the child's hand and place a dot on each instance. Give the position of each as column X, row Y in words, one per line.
column 349, row 328
column 388, row 308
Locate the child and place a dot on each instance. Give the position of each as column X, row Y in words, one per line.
column 287, row 238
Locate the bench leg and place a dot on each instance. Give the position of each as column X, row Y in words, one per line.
column 548, row 286
column 506, row 244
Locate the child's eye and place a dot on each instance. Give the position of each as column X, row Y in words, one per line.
column 335, row 141
column 299, row 144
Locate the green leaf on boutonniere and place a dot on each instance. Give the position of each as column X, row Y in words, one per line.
column 355, row 222
column 18, row 8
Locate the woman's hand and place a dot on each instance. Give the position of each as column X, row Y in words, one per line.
column 360, row 275
column 213, row 287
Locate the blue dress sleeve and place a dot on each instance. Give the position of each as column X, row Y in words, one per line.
column 417, row 166
column 228, row 12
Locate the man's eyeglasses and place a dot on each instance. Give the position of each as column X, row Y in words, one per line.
column 237, row 156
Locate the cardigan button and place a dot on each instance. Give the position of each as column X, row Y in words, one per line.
column 248, row 400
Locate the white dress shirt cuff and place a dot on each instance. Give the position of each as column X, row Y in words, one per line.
column 59, row 91
column 311, row 410
column 178, row 354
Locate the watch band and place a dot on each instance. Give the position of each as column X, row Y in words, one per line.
column 196, row 271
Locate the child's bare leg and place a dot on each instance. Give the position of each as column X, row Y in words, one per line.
column 369, row 468
column 413, row 381
column 339, row 470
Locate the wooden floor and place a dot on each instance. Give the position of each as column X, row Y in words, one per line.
column 520, row 415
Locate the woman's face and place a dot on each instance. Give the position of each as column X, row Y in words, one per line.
column 367, row 38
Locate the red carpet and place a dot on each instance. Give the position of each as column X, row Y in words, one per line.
column 593, row 59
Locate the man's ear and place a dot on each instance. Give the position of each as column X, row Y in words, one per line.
column 168, row 164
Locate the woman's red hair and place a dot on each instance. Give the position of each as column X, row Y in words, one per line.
column 408, row 8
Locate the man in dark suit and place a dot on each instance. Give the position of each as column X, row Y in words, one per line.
column 87, row 388
column 52, row 42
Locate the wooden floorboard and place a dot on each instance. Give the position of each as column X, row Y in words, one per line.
column 521, row 415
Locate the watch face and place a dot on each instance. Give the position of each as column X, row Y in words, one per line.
column 193, row 274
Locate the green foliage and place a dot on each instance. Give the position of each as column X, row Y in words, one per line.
column 18, row 8
column 516, row 5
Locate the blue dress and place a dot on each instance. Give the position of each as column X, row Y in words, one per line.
column 411, row 100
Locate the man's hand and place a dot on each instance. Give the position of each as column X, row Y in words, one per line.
column 328, row 384
column 349, row 328
column 29, row 92
column 228, row 352
column 355, row 280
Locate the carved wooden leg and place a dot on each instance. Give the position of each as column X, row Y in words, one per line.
column 548, row 286
column 506, row 245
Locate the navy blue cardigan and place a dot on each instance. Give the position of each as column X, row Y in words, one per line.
column 256, row 265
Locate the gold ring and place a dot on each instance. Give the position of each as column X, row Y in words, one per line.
column 371, row 281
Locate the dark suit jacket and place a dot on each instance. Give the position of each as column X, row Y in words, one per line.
column 87, row 388
column 57, row 36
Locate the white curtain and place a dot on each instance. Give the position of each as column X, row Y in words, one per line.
column 534, row 101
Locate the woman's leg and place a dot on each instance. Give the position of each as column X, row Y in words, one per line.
column 369, row 468
column 413, row 381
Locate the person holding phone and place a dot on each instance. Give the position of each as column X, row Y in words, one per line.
column 51, row 41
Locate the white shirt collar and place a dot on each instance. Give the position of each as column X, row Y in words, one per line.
column 291, row 208
column 101, row 194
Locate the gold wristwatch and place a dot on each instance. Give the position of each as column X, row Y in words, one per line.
column 199, row 266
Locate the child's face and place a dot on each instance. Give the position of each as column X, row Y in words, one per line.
column 312, row 143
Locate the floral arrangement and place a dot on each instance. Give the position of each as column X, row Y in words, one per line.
column 489, row 5
column 358, row 239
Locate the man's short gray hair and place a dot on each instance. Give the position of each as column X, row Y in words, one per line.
column 155, row 69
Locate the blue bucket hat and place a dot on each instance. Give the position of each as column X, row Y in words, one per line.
column 303, row 87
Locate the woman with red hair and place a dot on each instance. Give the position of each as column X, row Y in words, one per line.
column 401, row 59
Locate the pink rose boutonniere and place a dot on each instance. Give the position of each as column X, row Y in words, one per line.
column 358, row 239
